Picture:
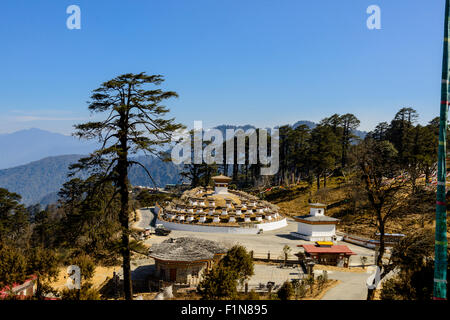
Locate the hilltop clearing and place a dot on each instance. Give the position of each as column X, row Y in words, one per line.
column 345, row 203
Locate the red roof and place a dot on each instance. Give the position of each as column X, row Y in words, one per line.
column 5, row 291
column 311, row 248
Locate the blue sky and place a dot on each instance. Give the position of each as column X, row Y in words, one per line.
column 260, row 62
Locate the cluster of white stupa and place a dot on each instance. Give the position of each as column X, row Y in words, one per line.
column 237, row 207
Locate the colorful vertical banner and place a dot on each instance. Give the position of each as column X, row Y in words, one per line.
column 440, row 254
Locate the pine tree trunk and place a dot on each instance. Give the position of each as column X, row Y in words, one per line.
column 38, row 287
column 379, row 261
column 122, row 183
column 235, row 160
column 125, row 230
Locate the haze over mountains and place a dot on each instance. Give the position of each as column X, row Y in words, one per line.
column 40, row 181
column 34, row 163
column 37, row 179
column 309, row 124
column 24, row 146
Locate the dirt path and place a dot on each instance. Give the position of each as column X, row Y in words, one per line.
column 146, row 218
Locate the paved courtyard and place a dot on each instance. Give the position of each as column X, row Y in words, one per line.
column 265, row 273
column 352, row 285
column 261, row 244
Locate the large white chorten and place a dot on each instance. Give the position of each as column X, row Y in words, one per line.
column 221, row 184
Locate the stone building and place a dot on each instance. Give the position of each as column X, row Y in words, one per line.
column 184, row 260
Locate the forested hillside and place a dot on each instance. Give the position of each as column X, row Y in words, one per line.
column 35, row 180
column 162, row 172
column 39, row 181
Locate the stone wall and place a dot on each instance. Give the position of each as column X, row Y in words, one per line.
column 189, row 273
column 254, row 229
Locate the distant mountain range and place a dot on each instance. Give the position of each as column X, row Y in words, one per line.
column 309, row 124
column 40, row 181
column 24, row 146
column 360, row 134
column 34, row 163
column 37, row 179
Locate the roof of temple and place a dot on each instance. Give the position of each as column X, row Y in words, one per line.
column 311, row 248
column 318, row 205
column 186, row 249
column 221, row 178
column 316, row 218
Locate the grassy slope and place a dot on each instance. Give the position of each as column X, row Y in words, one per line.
column 294, row 201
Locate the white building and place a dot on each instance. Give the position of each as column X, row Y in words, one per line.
column 316, row 226
column 221, row 184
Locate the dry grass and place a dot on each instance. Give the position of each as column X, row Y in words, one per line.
column 294, row 201
column 101, row 274
column 297, row 204
column 318, row 294
column 340, row 269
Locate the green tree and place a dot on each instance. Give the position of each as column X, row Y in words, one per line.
column 413, row 258
column 86, row 265
column 286, row 135
column 349, row 123
column 134, row 123
column 416, row 144
column 147, row 199
column 286, row 291
column 86, row 292
column 420, row 154
column 221, row 281
column 44, row 263
column 399, row 133
column 378, row 171
column 324, row 151
column 198, row 174
column 380, row 132
column 14, row 221
column 12, row 266
column 239, row 262
column 90, row 224
column 218, row 284
column 46, row 227
column 300, row 163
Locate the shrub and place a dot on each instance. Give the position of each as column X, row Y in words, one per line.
column 86, row 265
column 286, row 291
column 86, row 292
